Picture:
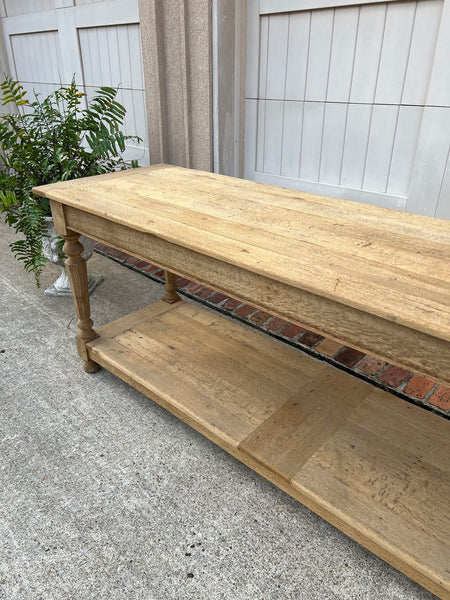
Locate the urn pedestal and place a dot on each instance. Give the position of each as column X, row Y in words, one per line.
column 51, row 249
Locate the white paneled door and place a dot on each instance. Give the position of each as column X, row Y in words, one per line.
column 351, row 100
column 49, row 42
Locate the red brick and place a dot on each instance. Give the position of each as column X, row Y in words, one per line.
column 418, row 386
column 245, row 311
column 204, row 292
column 123, row 256
column 159, row 274
column 260, row 317
column 112, row 252
column 182, row 281
column 394, row 376
column 141, row 264
column 371, row 365
column 291, row 331
column 231, row 304
column 151, row 269
column 276, row 324
column 348, row 356
column 309, row 338
column 217, row 298
column 193, row 287
column 100, row 246
column 131, row 260
column 440, row 397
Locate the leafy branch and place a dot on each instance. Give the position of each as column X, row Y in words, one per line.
column 53, row 139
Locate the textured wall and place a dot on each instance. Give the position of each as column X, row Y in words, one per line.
column 176, row 47
column 225, row 85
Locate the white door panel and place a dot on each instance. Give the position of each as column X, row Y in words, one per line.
column 98, row 43
column 338, row 97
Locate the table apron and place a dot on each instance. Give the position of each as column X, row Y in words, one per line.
column 380, row 337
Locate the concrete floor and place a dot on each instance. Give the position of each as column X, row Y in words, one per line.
column 104, row 495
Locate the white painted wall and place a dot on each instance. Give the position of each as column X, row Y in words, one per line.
column 351, row 101
column 98, row 41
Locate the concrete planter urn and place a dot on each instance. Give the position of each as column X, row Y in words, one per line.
column 51, row 249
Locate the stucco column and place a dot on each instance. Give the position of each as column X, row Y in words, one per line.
column 176, row 50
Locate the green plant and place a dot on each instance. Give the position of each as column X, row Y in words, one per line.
column 54, row 139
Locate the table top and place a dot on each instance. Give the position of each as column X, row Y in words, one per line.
column 384, row 262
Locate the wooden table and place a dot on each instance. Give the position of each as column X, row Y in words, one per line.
column 375, row 466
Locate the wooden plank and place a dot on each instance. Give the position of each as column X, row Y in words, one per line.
column 443, row 206
column 368, row 51
column 392, row 478
column 292, row 134
column 439, row 86
column 312, row 131
column 126, row 56
column 59, row 219
column 260, row 134
column 397, row 39
column 147, row 313
column 430, row 161
column 404, row 149
column 369, row 463
column 379, row 149
column 137, row 372
column 237, row 190
column 388, row 201
column 107, row 12
column 390, row 265
column 334, row 125
column 276, row 6
column 355, row 145
column 386, row 339
column 297, row 55
column 314, row 261
column 176, row 352
column 285, row 367
column 242, row 232
column 69, row 46
column 311, row 213
column 277, row 57
column 295, row 432
column 345, row 31
column 392, row 419
column 319, row 55
column 296, row 266
column 252, row 50
column 386, row 492
column 273, row 134
column 236, row 386
column 263, row 57
column 135, row 57
column 229, row 352
column 42, row 21
column 28, row 48
column 251, row 120
column 422, row 52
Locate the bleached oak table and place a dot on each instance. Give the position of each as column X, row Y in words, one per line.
column 370, row 463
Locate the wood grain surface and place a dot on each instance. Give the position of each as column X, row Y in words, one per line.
column 371, row 464
column 384, row 262
column 375, row 279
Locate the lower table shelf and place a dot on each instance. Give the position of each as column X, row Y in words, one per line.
column 371, row 464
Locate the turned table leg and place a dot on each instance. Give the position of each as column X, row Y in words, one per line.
column 77, row 273
column 171, row 288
